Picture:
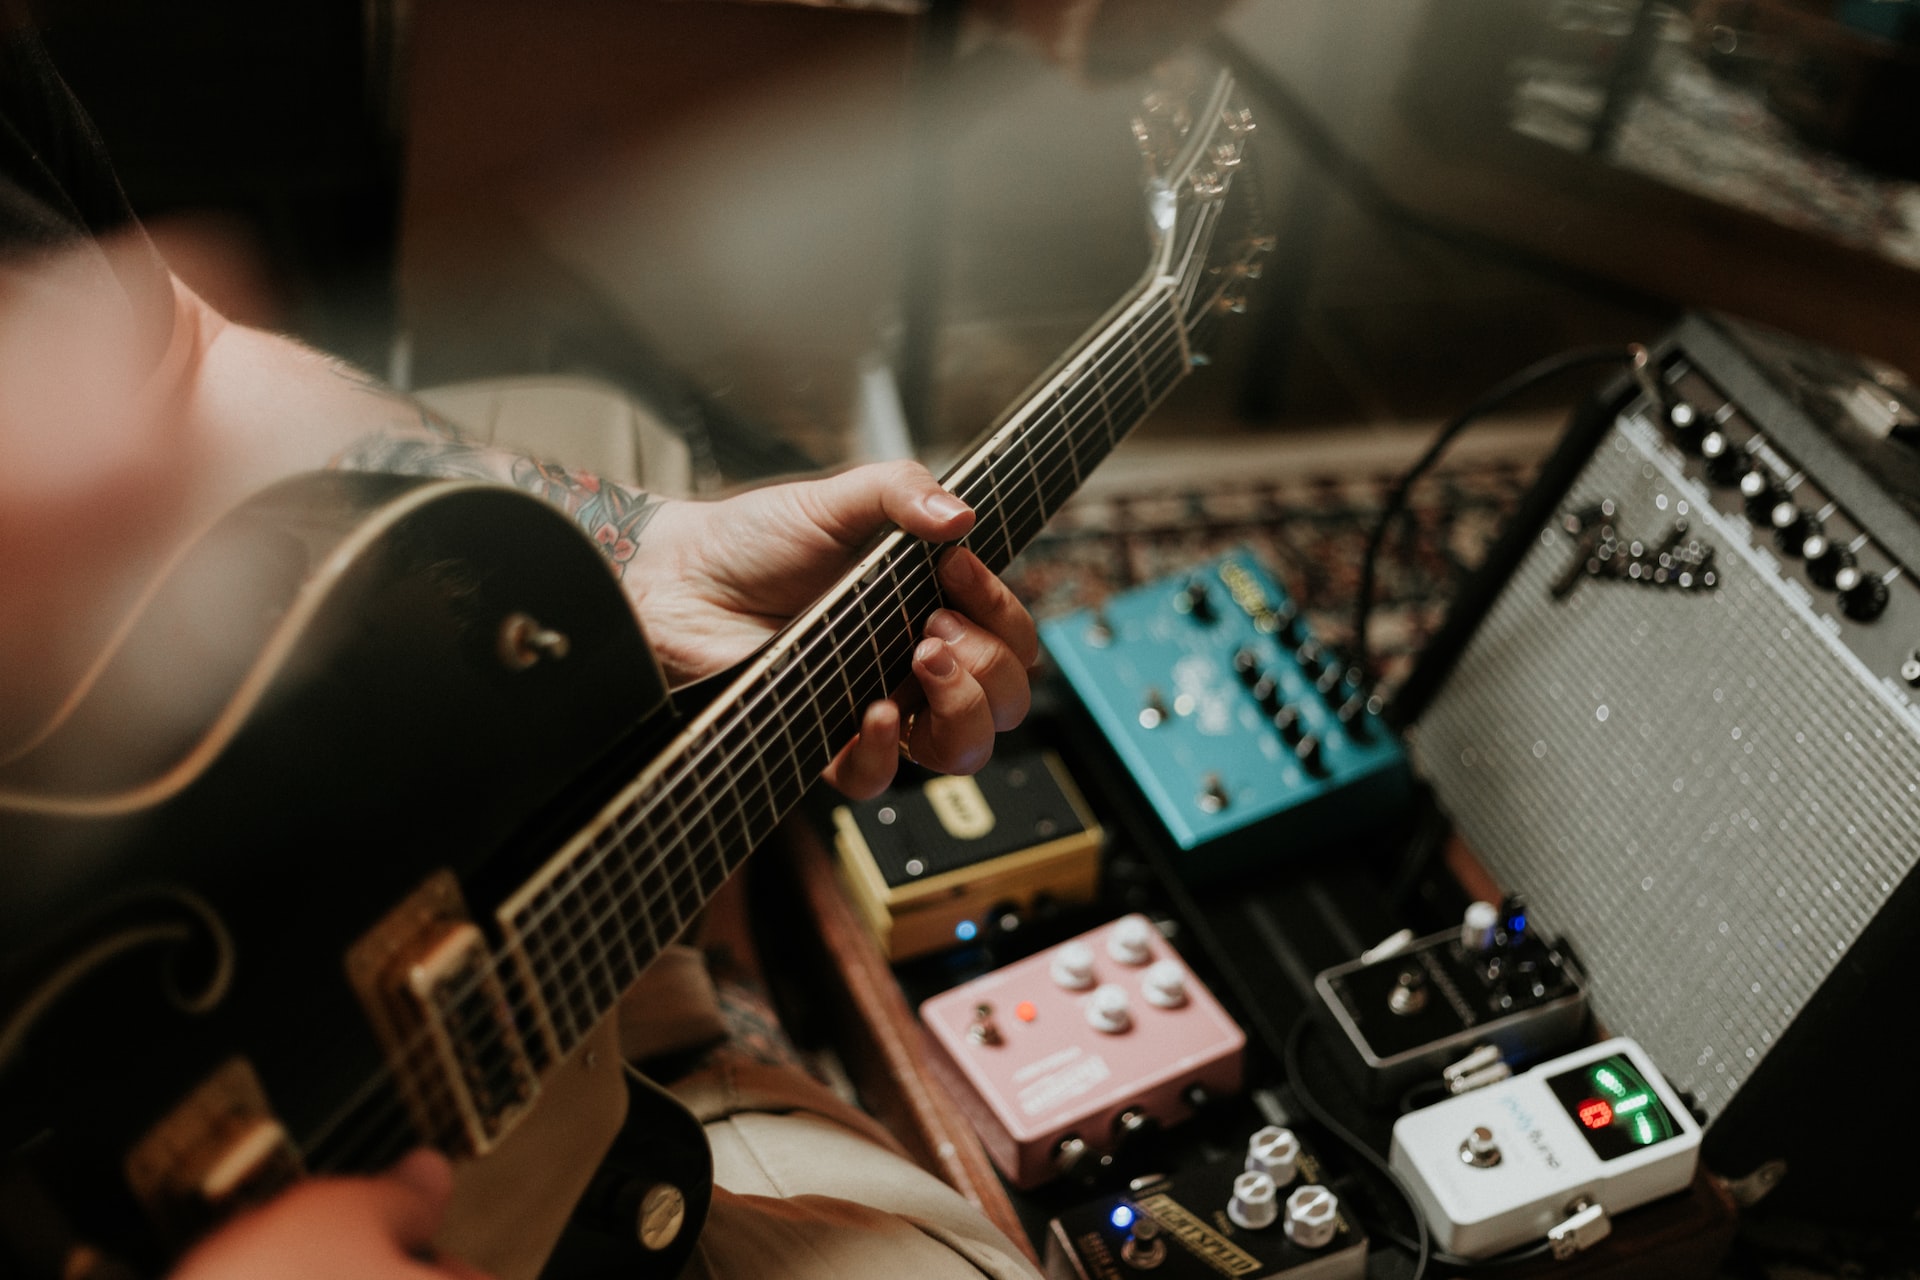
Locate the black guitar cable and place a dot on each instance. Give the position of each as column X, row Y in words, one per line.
column 1540, row 371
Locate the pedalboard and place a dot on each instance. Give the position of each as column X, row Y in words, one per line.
column 1554, row 1153
column 1069, row 1054
column 1260, row 1217
column 1248, row 737
column 1494, row 984
column 941, row 862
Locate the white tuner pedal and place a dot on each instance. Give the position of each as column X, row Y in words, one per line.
column 1551, row 1153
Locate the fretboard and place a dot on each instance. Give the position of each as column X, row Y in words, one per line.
column 623, row 889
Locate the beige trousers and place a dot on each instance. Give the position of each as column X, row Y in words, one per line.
column 805, row 1186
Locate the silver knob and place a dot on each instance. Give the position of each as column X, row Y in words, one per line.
column 1477, row 926
column 1107, row 1009
column 1313, row 1215
column 1072, row 966
column 1131, row 942
column 1255, row 1203
column 1272, row 1151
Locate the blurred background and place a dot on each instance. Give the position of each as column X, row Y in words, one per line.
column 774, row 223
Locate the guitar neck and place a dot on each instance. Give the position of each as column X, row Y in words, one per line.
column 601, row 909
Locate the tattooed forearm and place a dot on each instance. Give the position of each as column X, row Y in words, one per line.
column 613, row 515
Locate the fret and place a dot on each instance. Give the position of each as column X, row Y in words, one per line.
column 552, row 970
column 1064, row 423
column 993, row 518
column 629, row 900
column 617, row 966
column 1028, row 510
column 661, row 908
column 808, row 708
column 1123, row 389
column 683, row 888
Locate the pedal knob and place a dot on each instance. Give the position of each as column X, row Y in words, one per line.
column 1266, row 692
column 1272, row 1150
column 1131, row 941
column 1311, row 754
column 1164, row 985
column 1246, row 665
column 1107, row 1009
column 1193, row 599
column 1255, row 1203
column 1072, row 966
column 1313, row 1215
column 1478, row 926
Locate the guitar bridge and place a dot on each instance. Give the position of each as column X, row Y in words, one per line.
column 429, row 984
column 219, row 1151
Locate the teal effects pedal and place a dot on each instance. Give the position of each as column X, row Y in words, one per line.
column 1248, row 737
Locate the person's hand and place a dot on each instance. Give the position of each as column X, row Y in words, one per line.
column 712, row 580
column 339, row 1229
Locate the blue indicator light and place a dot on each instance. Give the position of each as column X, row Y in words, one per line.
column 966, row 930
column 1122, row 1218
column 1517, row 925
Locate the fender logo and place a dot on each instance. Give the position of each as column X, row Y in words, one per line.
column 1677, row 562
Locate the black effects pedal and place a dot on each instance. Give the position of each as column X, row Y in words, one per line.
column 1267, row 1215
column 1462, row 1006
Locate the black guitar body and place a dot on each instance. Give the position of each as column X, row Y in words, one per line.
column 186, row 860
column 357, row 835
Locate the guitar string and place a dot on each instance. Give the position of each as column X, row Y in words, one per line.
column 1091, row 374
column 1059, row 451
column 672, row 881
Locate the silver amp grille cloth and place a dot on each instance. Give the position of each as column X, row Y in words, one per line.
column 1698, row 790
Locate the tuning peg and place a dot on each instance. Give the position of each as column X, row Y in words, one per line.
column 1238, row 120
column 1226, row 157
column 1208, row 184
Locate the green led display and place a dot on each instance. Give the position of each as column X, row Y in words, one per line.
column 1614, row 1107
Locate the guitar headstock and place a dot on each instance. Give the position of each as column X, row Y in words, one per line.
column 1193, row 132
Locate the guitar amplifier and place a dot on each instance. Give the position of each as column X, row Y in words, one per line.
column 1678, row 710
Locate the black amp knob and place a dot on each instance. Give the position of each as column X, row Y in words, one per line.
column 1761, row 493
column 1725, row 463
column 1825, row 558
column 1863, row 596
column 1792, row 526
column 1689, row 428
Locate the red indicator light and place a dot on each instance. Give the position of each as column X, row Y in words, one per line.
column 1025, row 1011
column 1596, row 1113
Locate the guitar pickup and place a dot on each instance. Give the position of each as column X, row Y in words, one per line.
column 221, row 1150
column 428, row 981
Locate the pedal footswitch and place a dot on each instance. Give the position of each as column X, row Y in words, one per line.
column 1064, row 1056
column 1267, row 1216
column 1548, row 1154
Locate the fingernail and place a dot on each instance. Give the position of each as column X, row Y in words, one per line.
column 936, row 658
column 942, row 505
column 946, row 624
column 957, row 568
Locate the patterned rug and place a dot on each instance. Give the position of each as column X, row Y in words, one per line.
column 1310, row 532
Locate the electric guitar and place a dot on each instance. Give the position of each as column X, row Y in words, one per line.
column 380, row 803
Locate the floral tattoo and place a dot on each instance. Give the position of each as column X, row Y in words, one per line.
column 424, row 444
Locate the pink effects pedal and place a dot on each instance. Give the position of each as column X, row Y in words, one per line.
column 1065, row 1053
